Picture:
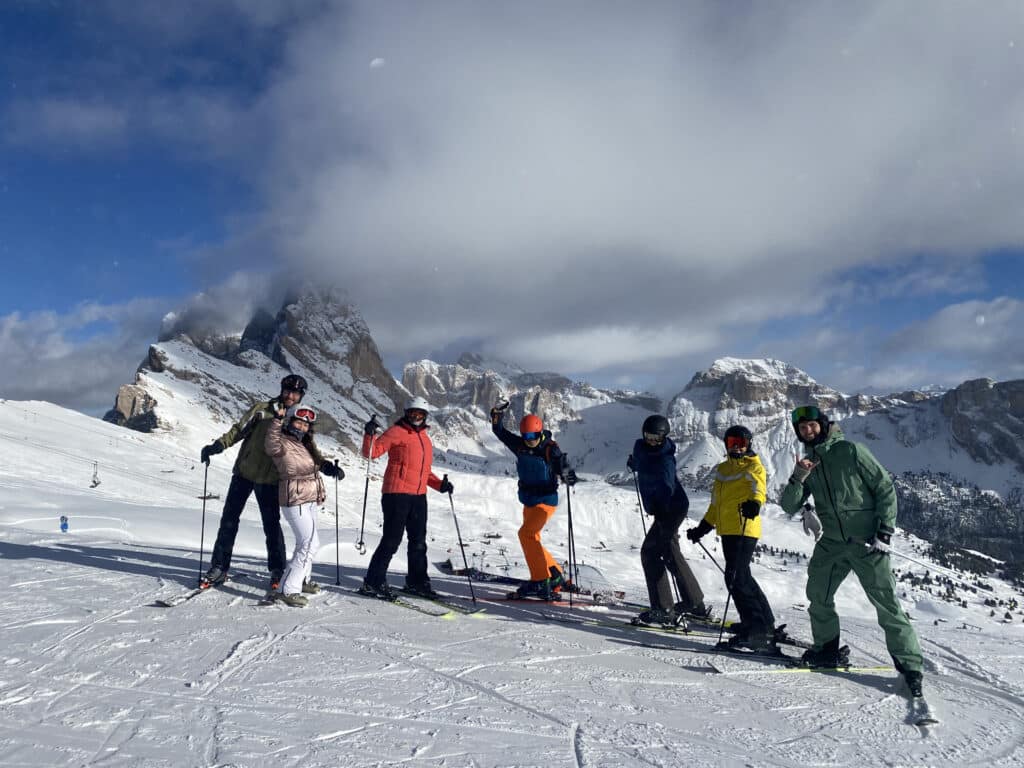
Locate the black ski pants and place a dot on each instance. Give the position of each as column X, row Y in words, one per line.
column 270, row 512
column 659, row 553
column 751, row 604
column 403, row 513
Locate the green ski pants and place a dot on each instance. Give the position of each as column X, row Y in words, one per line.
column 830, row 564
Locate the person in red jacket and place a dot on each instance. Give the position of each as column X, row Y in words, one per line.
column 404, row 499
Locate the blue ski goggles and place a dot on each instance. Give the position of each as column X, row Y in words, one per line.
column 806, row 413
column 532, row 435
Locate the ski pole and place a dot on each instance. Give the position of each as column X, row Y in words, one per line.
column 573, row 570
column 202, row 530
column 360, row 545
column 712, row 558
column 337, row 535
column 462, row 548
column 929, row 566
column 639, row 503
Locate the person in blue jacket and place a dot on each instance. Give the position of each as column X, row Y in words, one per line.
column 654, row 463
column 539, row 463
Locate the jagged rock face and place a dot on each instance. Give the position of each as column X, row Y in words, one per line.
column 465, row 391
column 987, row 420
column 133, row 408
column 317, row 336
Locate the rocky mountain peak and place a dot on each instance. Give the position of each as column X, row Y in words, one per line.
column 314, row 334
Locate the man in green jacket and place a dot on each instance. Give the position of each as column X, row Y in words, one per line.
column 254, row 472
column 855, row 520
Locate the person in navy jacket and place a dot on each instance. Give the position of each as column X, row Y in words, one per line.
column 654, row 463
column 539, row 463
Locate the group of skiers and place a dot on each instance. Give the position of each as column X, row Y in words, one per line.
column 852, row 524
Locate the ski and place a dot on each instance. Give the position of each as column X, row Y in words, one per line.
column 449, row 602
column 403, row 603
column 799, row 668
column 184, row 597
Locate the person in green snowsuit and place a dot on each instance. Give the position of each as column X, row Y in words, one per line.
column 853, row 525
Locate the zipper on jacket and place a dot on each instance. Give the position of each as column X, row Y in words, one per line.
column 831, row 496
column 423, row 459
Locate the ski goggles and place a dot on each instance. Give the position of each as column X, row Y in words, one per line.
column 307, row 415
column 736, row 443
column 805, row 413
column 532, row 435
column 415, row 414
column 653, row 438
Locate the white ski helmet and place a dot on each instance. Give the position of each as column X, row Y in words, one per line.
column 417, row 404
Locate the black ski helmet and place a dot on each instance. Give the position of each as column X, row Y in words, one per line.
column 656, row 425
column 810, row 413
column 295, row 383
column 738, row 430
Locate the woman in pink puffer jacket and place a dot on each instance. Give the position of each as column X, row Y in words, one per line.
column 300, row 491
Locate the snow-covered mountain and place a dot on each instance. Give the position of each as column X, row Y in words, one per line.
column 219, row 373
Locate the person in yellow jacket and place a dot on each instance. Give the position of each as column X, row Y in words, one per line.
column 736, row 500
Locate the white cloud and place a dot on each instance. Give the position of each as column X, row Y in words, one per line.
column 517, row 171
column 70, row 360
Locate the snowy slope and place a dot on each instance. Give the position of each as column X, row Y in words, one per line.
column 92, row 674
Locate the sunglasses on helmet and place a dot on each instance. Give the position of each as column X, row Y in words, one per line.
column 734, row 442
column 805, row 413
column 531, row 435
column 305, row 414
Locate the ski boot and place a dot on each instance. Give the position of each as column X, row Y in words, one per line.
column 310, row 587
column 660, row 617
column 295, row 601
column 275, row 580
column 829, row 656
column 422, row 590
column 540, row 589
column 381, row 592
column 216, row 575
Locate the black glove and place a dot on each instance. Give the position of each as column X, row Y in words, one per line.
column 331, row 469
column 695, row 534
column 750, row 508
column 569, row 477
column 210, row 450
column 446, row 485
column 372, row 426
column 630, row 463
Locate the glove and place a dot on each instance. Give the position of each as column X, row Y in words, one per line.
column 695, row 534
column 881, row 542
column 750, row 508
column 569, row 477
column 801, row 472
column 446, row 485
column 210, row 450
column 331, row 469
column 372, row 426
column 812, row 523
column 630, row 463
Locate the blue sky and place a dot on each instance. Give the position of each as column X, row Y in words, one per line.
column 622, row 195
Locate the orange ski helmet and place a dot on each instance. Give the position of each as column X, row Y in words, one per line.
column 531, row 425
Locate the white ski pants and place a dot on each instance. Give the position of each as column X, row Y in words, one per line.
column 302, row 519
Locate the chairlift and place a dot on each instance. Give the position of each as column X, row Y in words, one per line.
column 95, row 474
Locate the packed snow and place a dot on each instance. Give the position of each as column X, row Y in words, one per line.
column 94, row 674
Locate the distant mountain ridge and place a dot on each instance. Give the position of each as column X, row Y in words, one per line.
column 970, row 437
